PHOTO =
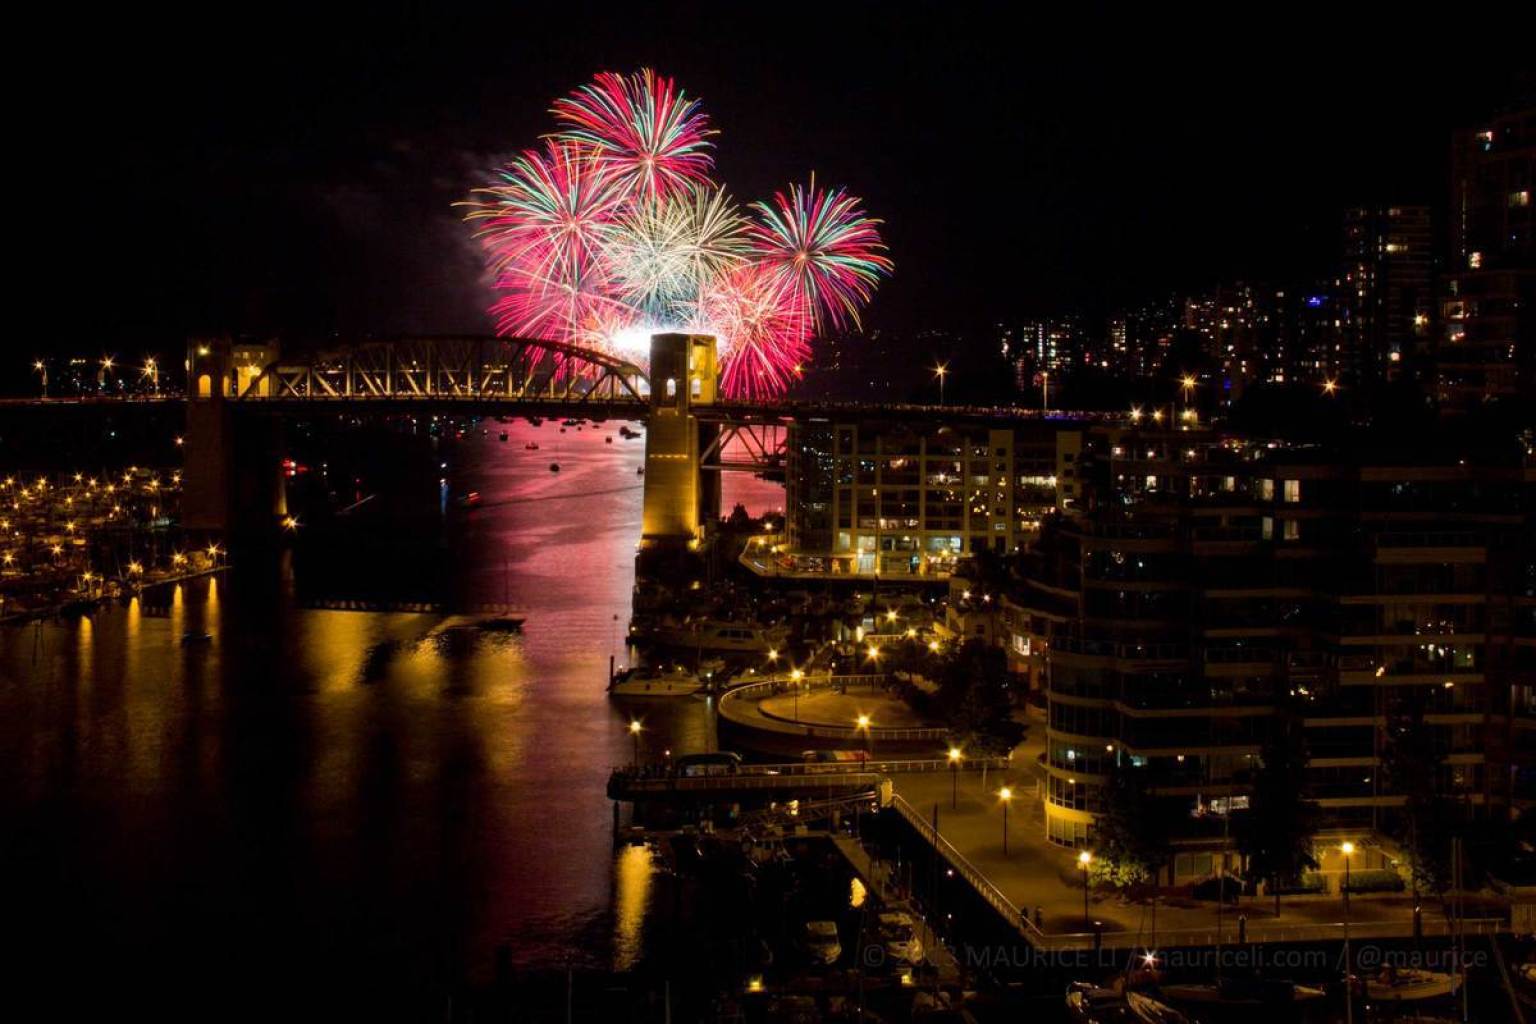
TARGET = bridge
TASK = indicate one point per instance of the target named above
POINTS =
(239, 395)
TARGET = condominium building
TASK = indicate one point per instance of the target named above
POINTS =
(888, 498)
(1203, 586)
(1487, 349)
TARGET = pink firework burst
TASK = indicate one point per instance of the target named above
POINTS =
(763, 342)
(544, 225)
(650, 137)
(821, 248)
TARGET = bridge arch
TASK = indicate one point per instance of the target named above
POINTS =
(466, 367)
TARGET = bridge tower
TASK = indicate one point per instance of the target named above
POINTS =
(684, 375)
(232, 479)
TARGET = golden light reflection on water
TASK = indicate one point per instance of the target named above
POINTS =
(631, 896)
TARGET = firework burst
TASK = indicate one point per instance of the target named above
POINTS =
(614, 230)
(823, 249)
(649, 136)
(665, 251)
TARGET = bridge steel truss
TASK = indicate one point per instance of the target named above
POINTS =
(480, 369)
(753, 444)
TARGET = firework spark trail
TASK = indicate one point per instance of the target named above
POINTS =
(649, 136)
(666, 251)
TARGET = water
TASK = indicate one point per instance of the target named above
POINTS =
(357, 805)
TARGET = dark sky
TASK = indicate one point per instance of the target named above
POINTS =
(293, 172)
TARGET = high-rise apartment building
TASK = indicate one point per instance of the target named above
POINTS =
(1487, 349)
(1387, 299)
(1205, 588)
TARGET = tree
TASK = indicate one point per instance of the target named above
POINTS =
(1131, 835)
(1412, 763)
(1276, 833)
(975, 700)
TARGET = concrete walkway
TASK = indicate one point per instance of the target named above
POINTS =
(1037, 874)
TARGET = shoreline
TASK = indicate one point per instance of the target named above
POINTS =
(57, 608)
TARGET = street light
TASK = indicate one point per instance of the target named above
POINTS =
(795, 675)
(1005, 795)
(1330, 386)
(941, 370)
(954, 777)
(773, 655)
(1084, 859)
(1347, 848)
(42, 368)
(634, 731)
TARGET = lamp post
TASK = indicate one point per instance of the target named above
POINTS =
(1005, 795)
(795, 675)
(1084, 859)
(1347, 848)
(954, 778)
(940, 371)
(42, 369)
(634, 731)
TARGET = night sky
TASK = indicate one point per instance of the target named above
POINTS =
(293, 174)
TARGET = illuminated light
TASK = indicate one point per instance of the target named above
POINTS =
(1136, 414)
(290, 523)
(773, 654)
(634, 726)
(954, 754)
(135, 568)
(755, 983)
(1330, 386)
(1005, 794)
(1084, 858)
(1346, 848)
(873, 652)
(862, 721)
(933, 645)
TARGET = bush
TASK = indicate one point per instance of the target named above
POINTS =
(1311, 883)
(1375, 880)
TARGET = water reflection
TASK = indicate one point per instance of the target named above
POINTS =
(335, 798)
(631, 896)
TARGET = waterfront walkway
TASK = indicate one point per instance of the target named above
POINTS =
(1037, 876)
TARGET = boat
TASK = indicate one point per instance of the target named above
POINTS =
(608, 439)
(713, 635)
(653, 683)
(501, 623)
(531, 446)
(554, 467)
(503, 436)
(626, 433)
(190, 638)
(468, 500)
(572, 423)
(1410, 984)
(1236, 992)
(1089, 1004)
(639, 471)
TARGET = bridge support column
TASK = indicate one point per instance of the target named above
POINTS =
(232, 480)
(683, 375)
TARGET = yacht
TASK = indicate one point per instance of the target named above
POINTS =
(1238, 992)
(1089, 1004)
(1410, 984)
(715, 635)
(654, 683)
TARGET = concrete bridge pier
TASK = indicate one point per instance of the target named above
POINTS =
(233, 477)
(678, 501)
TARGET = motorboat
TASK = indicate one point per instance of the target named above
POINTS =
(554, 467)
(503, 436)
(531, 446)
(898, 935)
(195, 637)
(729, 637)
(608, 439)
(1241, 992)
(1090, 1004)
(626, 433)
(820, 942)
(1410, 984)
(655, 683)
(639, 471)
(470, 499)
